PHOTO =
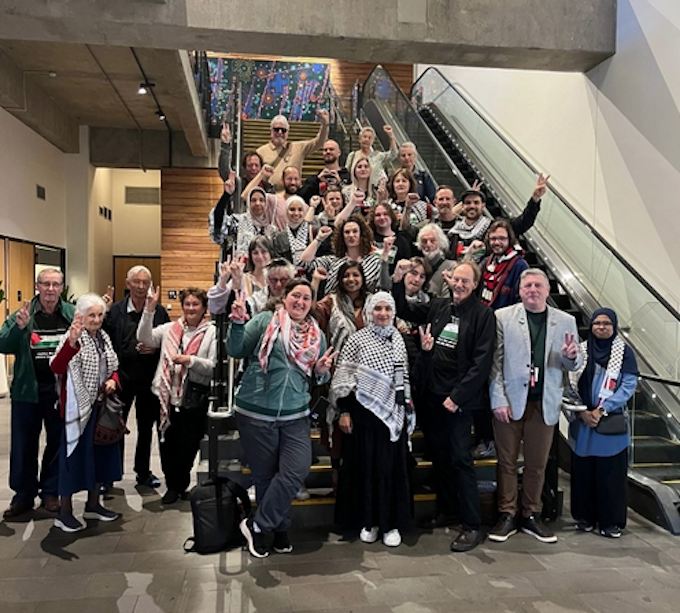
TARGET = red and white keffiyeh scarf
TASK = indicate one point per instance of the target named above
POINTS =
(301, 342)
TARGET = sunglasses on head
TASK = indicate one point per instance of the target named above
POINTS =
(280, 130)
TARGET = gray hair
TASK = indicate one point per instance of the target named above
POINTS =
(537, 272)
(48, 271)
(367, 129)
(279, 119)
(89, 300)
(135, 270)
(441, 237)
(280, 263)
(408, 145)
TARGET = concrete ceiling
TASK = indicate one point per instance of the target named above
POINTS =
(81, 84)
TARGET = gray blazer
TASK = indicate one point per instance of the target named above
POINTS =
(511, 368)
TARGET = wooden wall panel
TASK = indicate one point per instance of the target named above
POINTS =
(20, 273)
(123, 263)
(188, 255)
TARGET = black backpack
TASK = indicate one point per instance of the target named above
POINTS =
(216, 512)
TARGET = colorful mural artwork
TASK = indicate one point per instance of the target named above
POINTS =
(269, 88)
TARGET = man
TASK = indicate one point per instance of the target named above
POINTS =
(32, 334)
(450, 377)
(534, 347)
(426, 185)
(279, 153)
(331, 173)
(434, 245)
(137, 365)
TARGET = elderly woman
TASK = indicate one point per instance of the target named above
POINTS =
(378, 160)
(285, 350)
(600, 461)
(291, 242)
(87, 364)
(371, 390)
(182, 380)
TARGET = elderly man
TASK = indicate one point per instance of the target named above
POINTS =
(450, 378)
(137, 365)
(426, 185)
(331, 174)
(31, 334)
(434, 245)
(535, 346)
(279, 153)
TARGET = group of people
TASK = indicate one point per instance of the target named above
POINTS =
(373, 293)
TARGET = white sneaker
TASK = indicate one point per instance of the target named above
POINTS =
(369, 535)
(392, 538)
(302, 494)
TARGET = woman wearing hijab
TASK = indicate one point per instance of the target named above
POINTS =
(370, 387)
(185, 369)
(285, 350)
(291, 242)
(600, 461)
(87, 363)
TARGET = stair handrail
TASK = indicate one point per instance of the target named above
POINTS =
(473, 104)
(409, 103)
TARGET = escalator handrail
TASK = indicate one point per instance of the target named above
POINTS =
(472, 103)
(454, 169)
(657, 379)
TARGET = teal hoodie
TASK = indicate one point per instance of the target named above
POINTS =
(17, 342)
(280, 393)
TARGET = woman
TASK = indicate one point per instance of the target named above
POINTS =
(291, 242)
(252, 278)
(361, 182)
(379, 160)
(600, 461)
(87, 364)
(284, 351)
(243, 227)
(352, 240)
(383, 222)
(371, 390)
(402, 190)
(182, 383)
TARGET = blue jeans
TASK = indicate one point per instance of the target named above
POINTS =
(279, 454)
(27, 423)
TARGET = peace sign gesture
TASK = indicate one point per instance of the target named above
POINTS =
(324, 363)
(23, 315)
(570, 348)
(152, 299)
(426, 339)
(75, 330)
(239, 311)
(541, 187)
(108, 297)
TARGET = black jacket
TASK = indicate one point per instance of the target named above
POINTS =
(468, 386)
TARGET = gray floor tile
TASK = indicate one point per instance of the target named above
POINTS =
(404, 590)
(490, 586)
(327, 595)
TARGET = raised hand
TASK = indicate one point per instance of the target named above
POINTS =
(477, 185)
(324, 116)
(569, 348)
(541, 187)
(426, 338)
(387, 129)
(23, 315)
(75, 330)
(108, 297)
(387, 247)
(320, 274)
(323, 233)
(236, 268)
(382, 193)
(239, 312)
(225, 134)
(402, 267)
(230, 183)
(314, 201)
(152, 298)
(324, 363)
(267, 171)
(411, 199)
(224, 273)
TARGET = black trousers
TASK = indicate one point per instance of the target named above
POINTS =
(447, 437)
(599, 489)
(147, 410)
(181, 442)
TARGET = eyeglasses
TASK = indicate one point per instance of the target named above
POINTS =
(280, 130)
(50, 284)
(602, 324)
(498, 239)
(277, 280)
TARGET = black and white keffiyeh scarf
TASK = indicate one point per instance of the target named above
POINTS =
(470, 233)
(94, 363)
(298, 239)
(372, 365)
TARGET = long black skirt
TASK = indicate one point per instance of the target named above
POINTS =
(373, 486)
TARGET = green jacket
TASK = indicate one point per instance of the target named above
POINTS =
(17, 342)
(280, 393)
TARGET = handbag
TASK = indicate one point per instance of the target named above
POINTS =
(110, 427)
(613, 423)
(196, 396)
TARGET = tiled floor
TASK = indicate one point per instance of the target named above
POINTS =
(137, 566)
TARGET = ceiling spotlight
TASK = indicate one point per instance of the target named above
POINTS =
(161, 115)
(144, 88)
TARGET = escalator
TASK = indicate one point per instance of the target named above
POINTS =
(459, 145)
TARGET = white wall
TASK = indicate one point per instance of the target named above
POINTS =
(610, 138)
(136, 227)
(27, 159)
(101, 230)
